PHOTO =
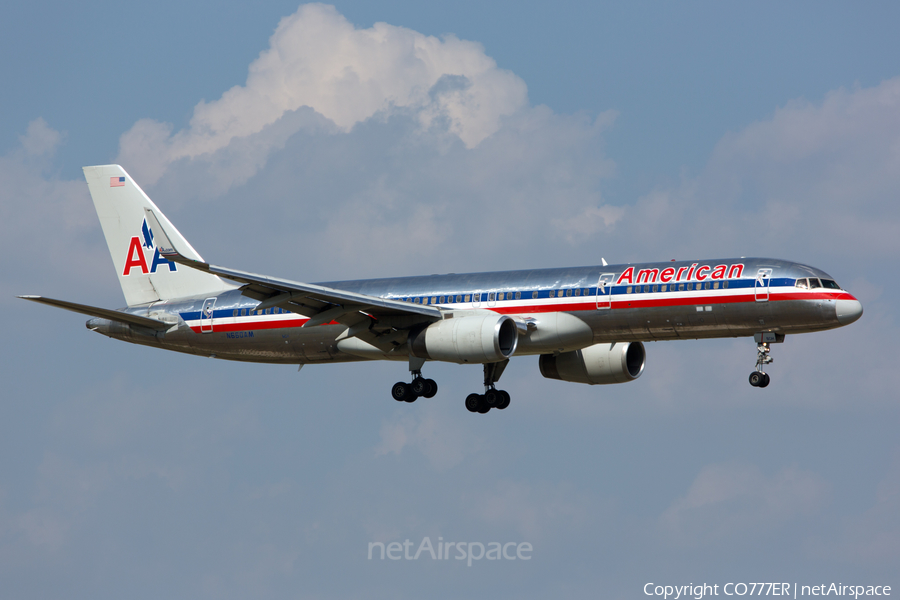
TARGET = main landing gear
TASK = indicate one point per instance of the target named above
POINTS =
(492, 397)
(419, 388)
(427, 388)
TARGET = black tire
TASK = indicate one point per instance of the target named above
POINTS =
(432, 388)
(401, 392)
(483, 407)
(492, 398)
(473, 401)
(504, 400)
(765, 380)
(419, 386)
(756, 378)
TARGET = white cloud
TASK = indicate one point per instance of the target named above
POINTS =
(815, 179)
(317, 59)
(873, 536)
(40, 139)
(49, 222)
(729, 499)
(533, 509)
(442, 443)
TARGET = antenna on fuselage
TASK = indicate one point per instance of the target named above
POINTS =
(603, 261)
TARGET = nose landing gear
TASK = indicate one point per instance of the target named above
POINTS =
(759, 378)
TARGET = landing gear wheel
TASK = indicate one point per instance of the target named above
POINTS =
(765, 380)
(483, 406)
(473, 401)
(504, 400)
(419, 386)
(431, 388)
(492, 398)
(757, 378)
(402, 392)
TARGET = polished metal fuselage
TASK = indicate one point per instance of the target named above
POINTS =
(559, 309)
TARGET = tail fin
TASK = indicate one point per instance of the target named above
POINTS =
(144, 275)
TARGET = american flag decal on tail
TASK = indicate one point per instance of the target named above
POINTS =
(116, 181)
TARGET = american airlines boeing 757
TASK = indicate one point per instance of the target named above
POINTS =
(586, 324)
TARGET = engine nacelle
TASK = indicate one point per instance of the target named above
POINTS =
(476, 339)
(618, 362)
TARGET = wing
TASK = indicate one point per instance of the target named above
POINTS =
(359, 312)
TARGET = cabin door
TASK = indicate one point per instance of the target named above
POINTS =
(761, 286)
(605, 290)
(206, 315)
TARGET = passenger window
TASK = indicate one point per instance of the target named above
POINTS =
(568, 292)
(715, 285)
(578, 292)
(628, 291)
(468, 297)
(491, 297)
(725, 284)
(501, 296)
(814, 283)
(681, 287)
(534, 294)
(707, 285)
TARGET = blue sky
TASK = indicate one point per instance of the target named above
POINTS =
(561, 133)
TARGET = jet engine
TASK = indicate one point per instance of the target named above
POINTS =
(618, 362)
(476, 339)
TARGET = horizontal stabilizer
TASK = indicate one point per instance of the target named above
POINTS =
(103, 313)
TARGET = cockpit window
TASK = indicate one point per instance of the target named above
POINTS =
(814, 283)
(802, 283)
(831, 284)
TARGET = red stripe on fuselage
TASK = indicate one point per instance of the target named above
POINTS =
(634, 302)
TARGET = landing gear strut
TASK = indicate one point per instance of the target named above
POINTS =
(492, 397)
(760, 378)
(419, 388)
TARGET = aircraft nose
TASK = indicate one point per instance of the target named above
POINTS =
(848, 311)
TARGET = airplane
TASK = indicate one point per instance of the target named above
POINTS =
(586, 324)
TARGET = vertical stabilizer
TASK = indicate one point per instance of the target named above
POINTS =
(144, 275)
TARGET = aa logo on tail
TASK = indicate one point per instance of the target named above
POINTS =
(137, 259)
